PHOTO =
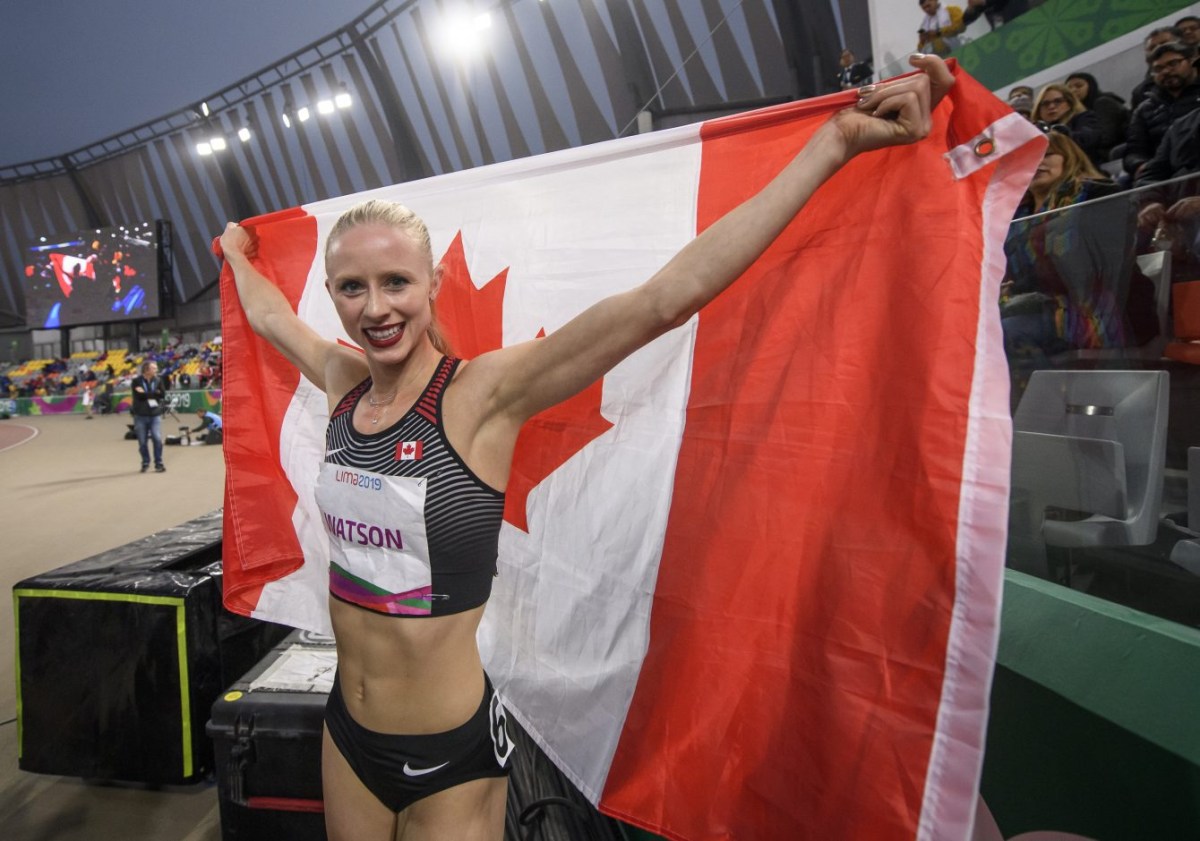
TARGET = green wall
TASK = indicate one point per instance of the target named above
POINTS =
(1094, 726)
(1053, 33)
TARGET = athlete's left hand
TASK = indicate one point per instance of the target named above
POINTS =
(894, 112)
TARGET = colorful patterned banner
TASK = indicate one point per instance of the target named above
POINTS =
(1052, 33)
(72, 404)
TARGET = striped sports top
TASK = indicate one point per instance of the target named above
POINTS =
(413, 531)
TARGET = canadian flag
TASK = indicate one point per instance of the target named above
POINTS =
(408, 451)
(749, 581)
(67, 267)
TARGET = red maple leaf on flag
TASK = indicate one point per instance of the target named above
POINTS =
(474, 320)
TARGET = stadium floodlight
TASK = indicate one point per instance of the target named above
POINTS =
(204, 148)
(204, 109)
(325, 106)
(287, 114)
(302, 113)
(343, 98)
(217, 143)
(461, 34)
(244, 134)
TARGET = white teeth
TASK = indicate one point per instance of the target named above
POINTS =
(385, 334)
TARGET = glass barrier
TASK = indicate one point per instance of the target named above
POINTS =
(1100, 311)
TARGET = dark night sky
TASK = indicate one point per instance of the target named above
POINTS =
(74, 72)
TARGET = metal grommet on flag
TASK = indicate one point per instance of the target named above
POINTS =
(998, 139)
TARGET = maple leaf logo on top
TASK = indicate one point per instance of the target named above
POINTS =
(473, 321)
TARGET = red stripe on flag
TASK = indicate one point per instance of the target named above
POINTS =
(797, 639)
(258, 386)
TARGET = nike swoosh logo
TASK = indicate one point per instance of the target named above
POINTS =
(420, 772)
(338, 450)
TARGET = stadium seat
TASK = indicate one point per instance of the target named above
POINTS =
(1094, 443)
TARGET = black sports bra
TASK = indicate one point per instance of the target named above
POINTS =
(413, 531)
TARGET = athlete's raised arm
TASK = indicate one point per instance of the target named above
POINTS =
(533, 376)
(272, 317)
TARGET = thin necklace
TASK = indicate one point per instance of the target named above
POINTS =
(376, 404)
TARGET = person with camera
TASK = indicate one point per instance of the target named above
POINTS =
(209, 430)
(149, 403)
(940, 28)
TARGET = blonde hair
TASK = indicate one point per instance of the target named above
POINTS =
(1076, 107)
(396, 215)
(1076, 171)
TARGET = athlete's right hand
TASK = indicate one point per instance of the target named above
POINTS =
(235, 242)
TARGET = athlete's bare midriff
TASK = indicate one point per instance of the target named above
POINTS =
(408, 675)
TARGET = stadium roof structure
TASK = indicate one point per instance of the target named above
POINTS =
(386, 99)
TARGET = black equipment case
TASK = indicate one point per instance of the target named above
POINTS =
(266, 732)
(120, 656)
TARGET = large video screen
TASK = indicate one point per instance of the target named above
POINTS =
(94, 276)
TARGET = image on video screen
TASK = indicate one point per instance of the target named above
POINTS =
(90, 277)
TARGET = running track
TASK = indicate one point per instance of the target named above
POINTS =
(15, 434)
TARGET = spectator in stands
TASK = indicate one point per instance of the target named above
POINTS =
(210, 427)
(149, 403)
(852, 73)
(996, 11)
(1020, 99)
(1189, 30)
(1069, 277)
(1057, 106)
(1170, 217)
(1109, 107)
(940, 28)
(1178, 154)
(1066, 176)
(1155, 39)
(1176, 93)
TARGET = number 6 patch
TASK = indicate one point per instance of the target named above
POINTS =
(498, 724)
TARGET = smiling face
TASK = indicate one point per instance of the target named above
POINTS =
(382, 285)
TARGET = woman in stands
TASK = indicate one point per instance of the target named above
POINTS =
(1057, 106)
(1069, 274)
(415, 745)
(1066, 176)
(1110, 110)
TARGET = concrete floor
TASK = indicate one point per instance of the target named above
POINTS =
(68, 493)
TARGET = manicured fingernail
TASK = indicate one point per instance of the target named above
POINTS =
(917, 55)
(865, 91)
